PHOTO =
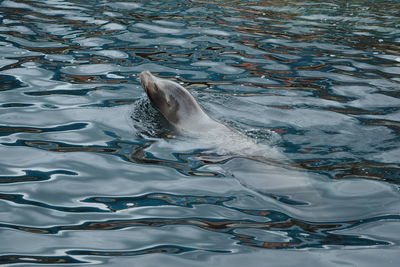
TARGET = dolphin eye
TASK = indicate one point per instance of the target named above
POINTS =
(155, 87)
(170, 101)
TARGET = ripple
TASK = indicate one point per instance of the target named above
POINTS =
(10, 259)
(124, 5)
(91, 69)
(158, 249)
(157, 29)
(19, 199)
(31, 175)
(321, 233)
(156, 199)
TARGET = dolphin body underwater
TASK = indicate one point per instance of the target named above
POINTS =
(303, 194)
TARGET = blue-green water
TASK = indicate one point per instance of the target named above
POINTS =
(90, 175)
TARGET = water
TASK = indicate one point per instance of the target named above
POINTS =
(91, 174)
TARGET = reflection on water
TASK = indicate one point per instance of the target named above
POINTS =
(91, 173)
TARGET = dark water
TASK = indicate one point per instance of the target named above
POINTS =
(90, 176)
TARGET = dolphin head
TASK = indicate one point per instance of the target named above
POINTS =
(174, 102)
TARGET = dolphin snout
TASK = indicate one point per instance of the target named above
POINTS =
(148, 81)
(145, 78)
(145, 75)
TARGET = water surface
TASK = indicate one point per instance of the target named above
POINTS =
(91, 174)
